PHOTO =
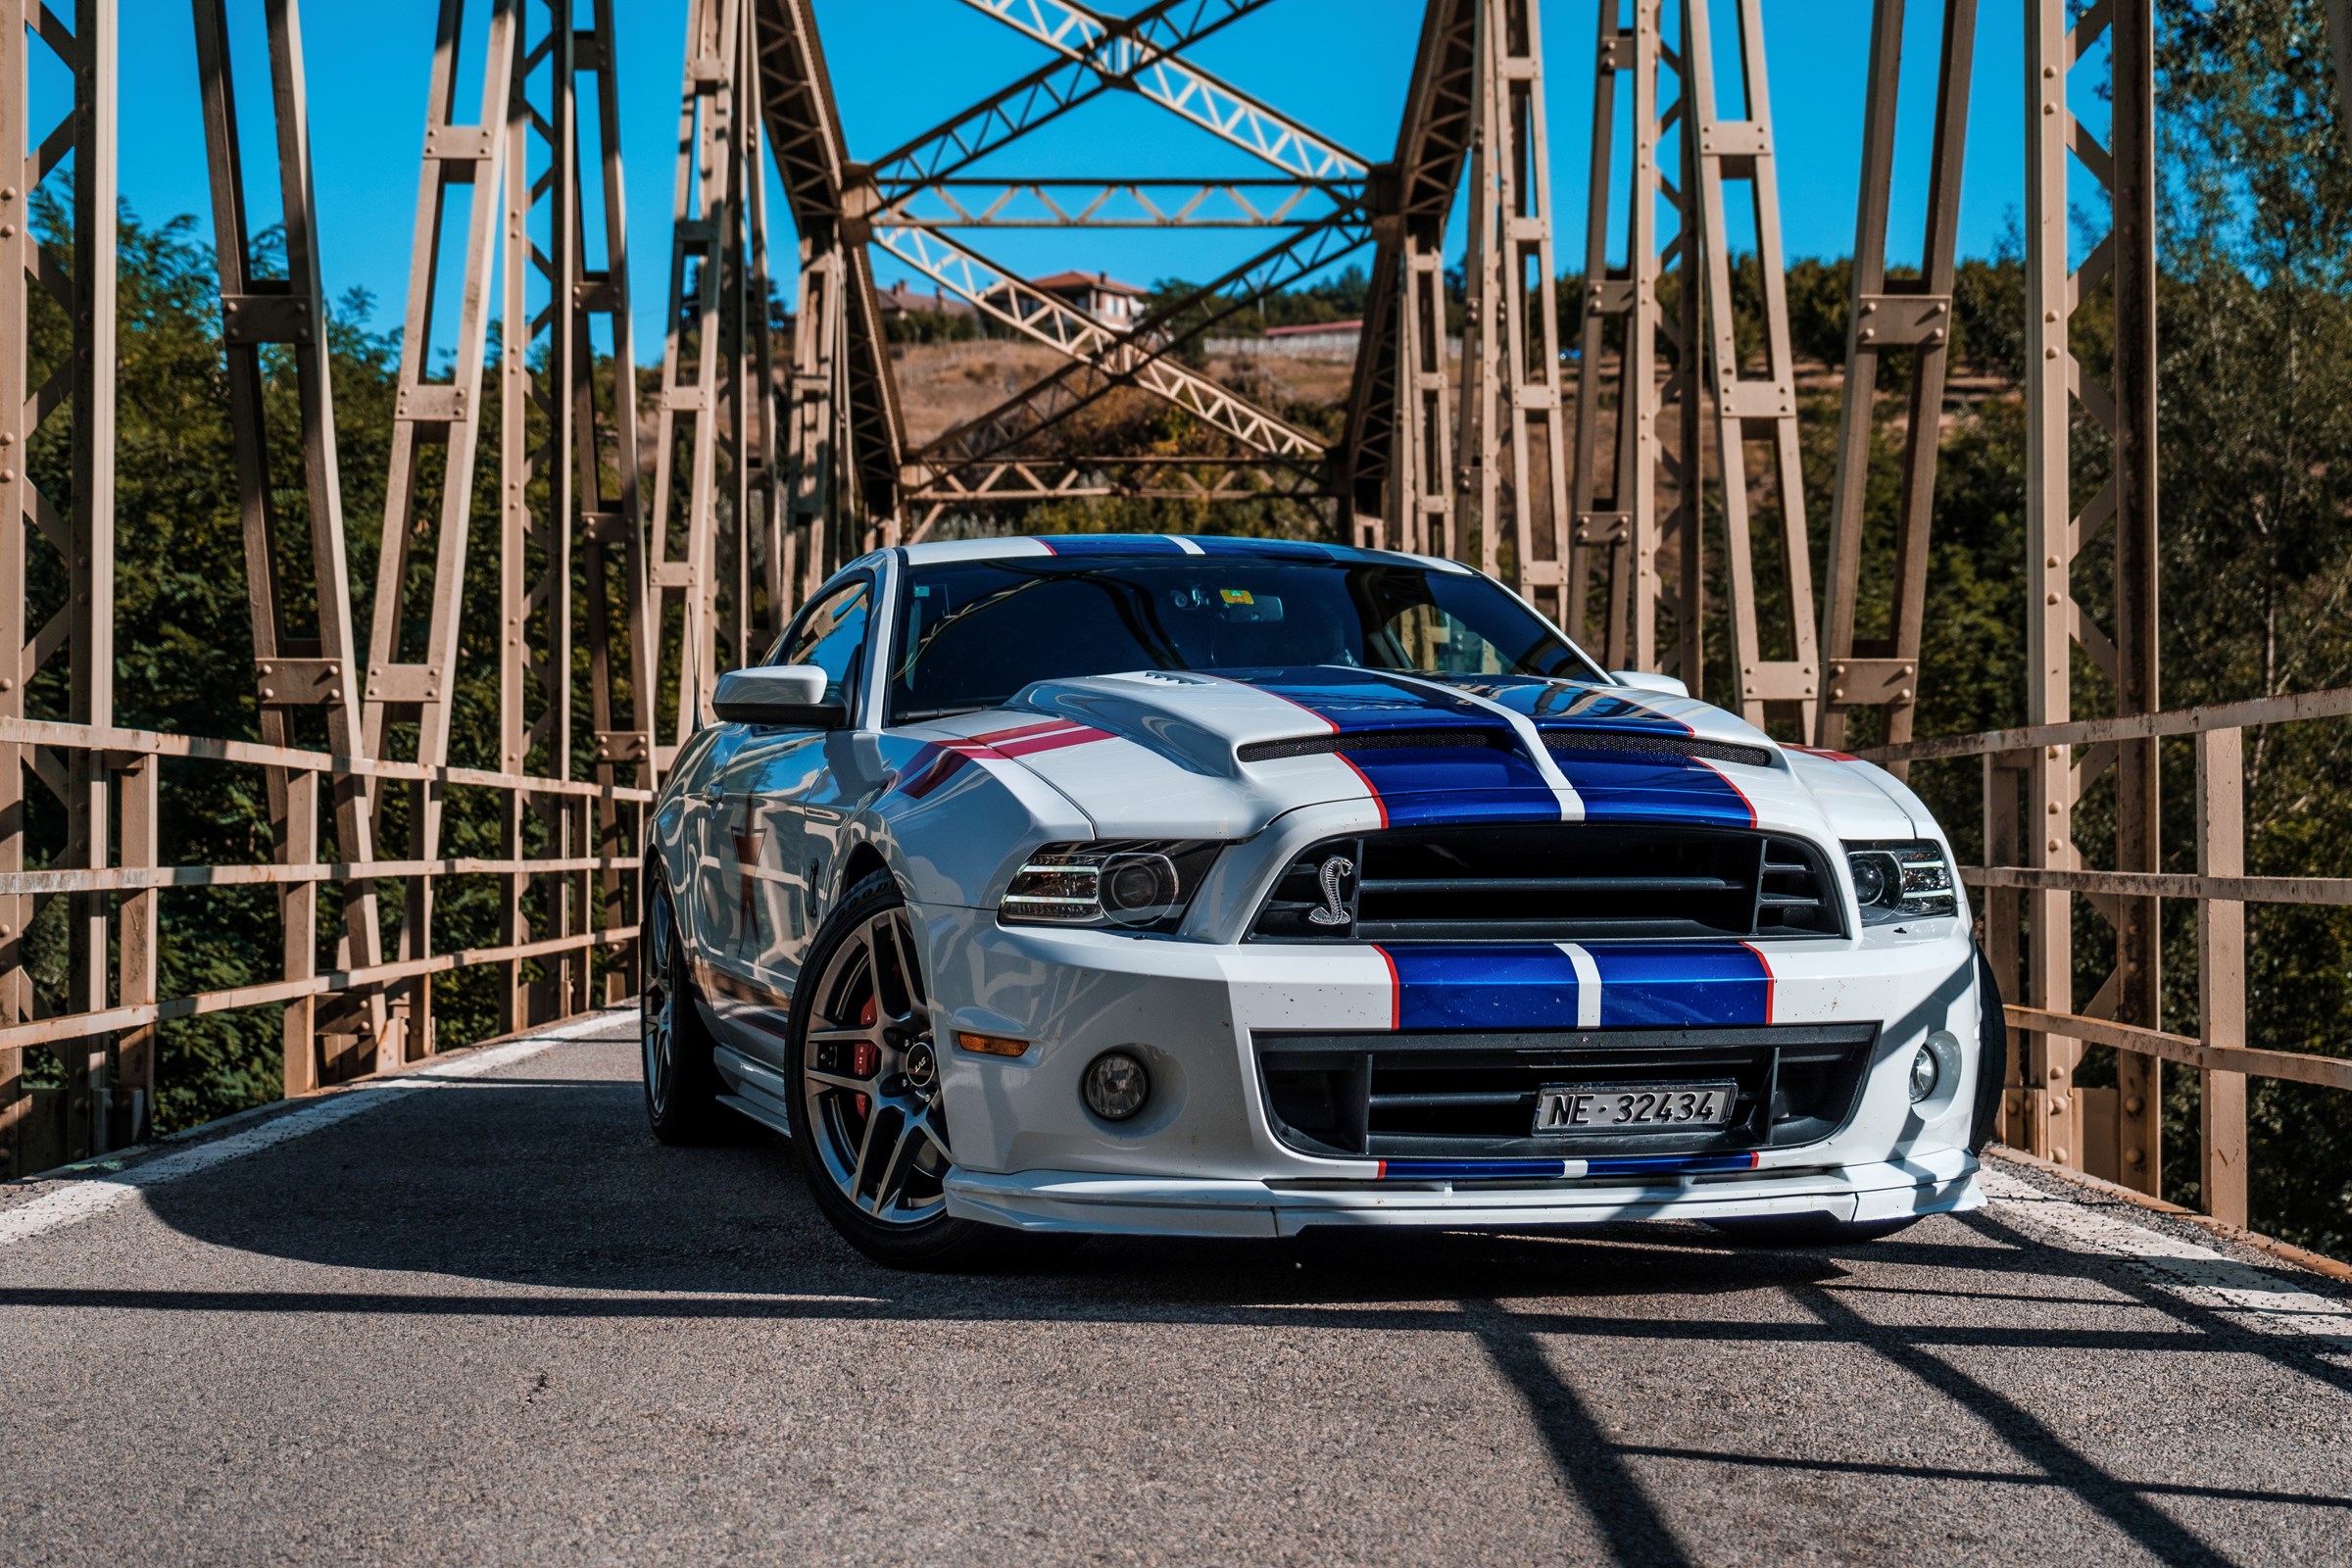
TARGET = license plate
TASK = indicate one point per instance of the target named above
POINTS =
(1608, 1106)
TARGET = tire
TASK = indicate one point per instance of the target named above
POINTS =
(681, 1081)
(1992, 1058)
(867, 1123)
(1801, 1232)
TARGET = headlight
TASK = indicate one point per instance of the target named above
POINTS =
(1135, 884)
(1899, 879)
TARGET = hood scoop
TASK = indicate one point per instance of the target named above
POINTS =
(1386, 740)
(1638, 743)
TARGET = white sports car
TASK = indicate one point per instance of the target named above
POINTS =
(1228, 887)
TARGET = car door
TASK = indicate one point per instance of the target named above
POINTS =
(776, 804)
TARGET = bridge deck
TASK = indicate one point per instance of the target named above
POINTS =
(490, 1318)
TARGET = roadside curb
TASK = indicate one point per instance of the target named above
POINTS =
(2286, 1251)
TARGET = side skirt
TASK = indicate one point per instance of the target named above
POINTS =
(758, 1090)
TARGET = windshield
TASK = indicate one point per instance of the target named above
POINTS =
(977, 632)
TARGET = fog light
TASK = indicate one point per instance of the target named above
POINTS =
(1923, 1075)
(1115, 1086)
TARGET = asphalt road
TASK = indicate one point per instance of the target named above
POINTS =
(494, 1321)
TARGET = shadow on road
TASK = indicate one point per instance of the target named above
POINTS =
(545, 1197)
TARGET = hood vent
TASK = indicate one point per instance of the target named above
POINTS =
(1589, 740)
(1376, 740)
(1552, 882)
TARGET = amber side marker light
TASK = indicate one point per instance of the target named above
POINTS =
(991, 1045)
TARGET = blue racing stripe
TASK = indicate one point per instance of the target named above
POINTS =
(1669, 986)
(1265, 549)
(1442, 1170)
(1361, 701)
(1669, 1164)
(1629, 787)
(1516, 985)
(1427, 785)
(1571, 704)
(1533, 985)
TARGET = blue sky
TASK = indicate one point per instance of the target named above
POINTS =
(899, 66)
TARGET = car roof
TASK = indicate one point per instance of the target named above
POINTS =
(1129, 546)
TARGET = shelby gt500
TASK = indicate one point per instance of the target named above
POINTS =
(1229, 887)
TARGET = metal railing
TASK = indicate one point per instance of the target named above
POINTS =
(2041, 1111)
(383, 1019)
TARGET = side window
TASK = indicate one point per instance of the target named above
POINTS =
(831, 635)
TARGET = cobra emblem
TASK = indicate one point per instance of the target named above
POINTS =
(1332, 912)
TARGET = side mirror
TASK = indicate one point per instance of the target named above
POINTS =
(1644, 680)
(792, 696)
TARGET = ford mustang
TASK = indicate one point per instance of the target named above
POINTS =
(1230, 886)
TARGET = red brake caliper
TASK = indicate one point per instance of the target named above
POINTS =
(865, 1057)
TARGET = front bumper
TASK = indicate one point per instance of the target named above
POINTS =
(1942, 1183)
(1204, 1156)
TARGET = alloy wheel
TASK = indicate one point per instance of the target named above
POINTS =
(658, 1017)
(870, 1075)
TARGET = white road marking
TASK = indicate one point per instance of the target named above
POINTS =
(94, 1190)
(1587, 984)
(2195, 1275)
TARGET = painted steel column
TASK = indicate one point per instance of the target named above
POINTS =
(90, 564)
(612, 530)
(1882, 672)
(448, 413)
(1512, 443)
(1732, 150)
(704, 235)
(1600, 537)
(2139, 942)
(19, 500)
(2048, 833)
(2222, 973)
(295, 671)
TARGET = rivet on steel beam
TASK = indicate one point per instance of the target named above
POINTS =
(2053, 844)
(2053, 807)
(2134, 1107)
(2133, 1156)
(1903, 695)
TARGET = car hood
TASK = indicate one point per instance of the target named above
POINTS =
(1184, 755)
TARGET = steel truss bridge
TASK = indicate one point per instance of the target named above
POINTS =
(640, 550)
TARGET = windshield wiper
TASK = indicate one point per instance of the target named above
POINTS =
(917, 715)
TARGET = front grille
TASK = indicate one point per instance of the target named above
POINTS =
(1402, 1095)
(1552, 882)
